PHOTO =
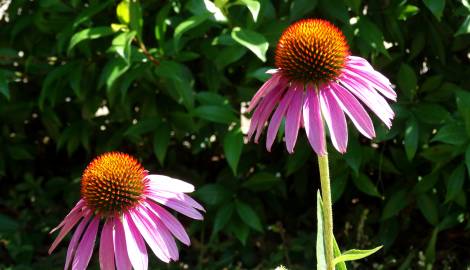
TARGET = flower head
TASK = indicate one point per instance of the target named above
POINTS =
(117, 190)
(318, 80)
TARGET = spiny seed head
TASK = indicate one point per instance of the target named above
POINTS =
(312, 51)
(112, 183)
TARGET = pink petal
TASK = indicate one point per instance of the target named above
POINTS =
(151, 233)
(353, 109)
(135, 244)
(267, 111)
(264, 90)
(335, 119)
(74, 241)
(120, 247)
(313, 121)
(85, 248)
(106, 246)
(374, 78)
(170, 222)
(255, 120)
(277, 118)
(370, 98)
(68, 223)
(166, 235)
(172, 201)
(175, 195)
(75, 210)
(163, 182)
(293, 117)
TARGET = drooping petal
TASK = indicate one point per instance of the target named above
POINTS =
(293, 117)
(176, 195)
(255, 120)
(74, 241)
(75, 211)
(172, 201)
(370, 98)
(151, 233)
(373, 78)
(335, 120)
(277, 118)
(135, 244)
(354, 110)
(85, 248)
(120, 247)
(106, 246)
(313, 121)
(163, 182)
(264, 90)
(170, 222)
(267, 110)
(69, 222)
(165, 235)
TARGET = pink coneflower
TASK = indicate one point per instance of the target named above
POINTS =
(317, 78)
(116, 189)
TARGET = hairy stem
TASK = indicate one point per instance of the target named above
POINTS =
(327, 210)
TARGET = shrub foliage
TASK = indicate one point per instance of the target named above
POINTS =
(167, 81)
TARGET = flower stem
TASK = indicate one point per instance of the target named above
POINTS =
(327, 210)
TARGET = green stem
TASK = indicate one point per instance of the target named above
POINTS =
(327, 210)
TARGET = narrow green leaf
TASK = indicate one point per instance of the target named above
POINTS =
(248, 216)
(467, 159)
(89, 33)
(463, 104)
(455, 183)
(254, 7)
(298, 8)
(320, 244)
(136, 21)
(430, 252)
(356, 254)
(161, 140)
(436, 7)
(364, 184)
(115, 68)
(233, 145)
(431, 113)
(217, 114)
(411, 138)
(254, 41)
(337, 253)
(464, 27)
(179, 82)
(4, 90)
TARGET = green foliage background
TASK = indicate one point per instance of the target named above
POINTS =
(172, 76)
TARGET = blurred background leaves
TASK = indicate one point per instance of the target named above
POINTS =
(168, 82)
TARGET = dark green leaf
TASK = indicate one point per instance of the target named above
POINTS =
(407, 80)
(161, 140)
(213, 194)
(455, 183)
(233, 146)
(395, 204)
(436, 7)
(428, 208)
(217, 114)
(223, 216)
(411, 138)
(248, 216)
(363, 183)
(453, 133)
(261, 181)
(89, 33)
